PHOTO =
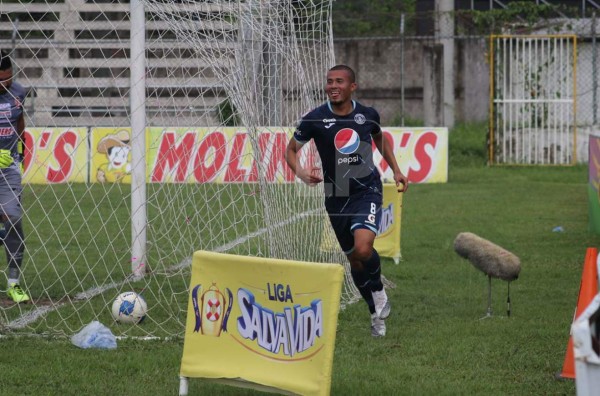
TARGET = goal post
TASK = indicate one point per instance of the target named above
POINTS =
(138, 138)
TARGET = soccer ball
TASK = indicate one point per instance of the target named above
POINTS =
(129, 307)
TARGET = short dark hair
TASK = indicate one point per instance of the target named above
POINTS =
(5, 62)
(346, 68)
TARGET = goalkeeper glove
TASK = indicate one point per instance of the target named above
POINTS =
(6, 158)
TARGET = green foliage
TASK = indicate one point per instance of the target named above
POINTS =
(519, 13)
(408, 121)
(227, 114)
(369, 18)
(467, 145)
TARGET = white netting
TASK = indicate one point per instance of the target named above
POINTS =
(225, 82)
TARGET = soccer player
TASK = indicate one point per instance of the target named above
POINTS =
(343, 131)
(12, 125)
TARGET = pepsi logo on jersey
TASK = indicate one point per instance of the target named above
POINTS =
(346, 141)
(351, 159)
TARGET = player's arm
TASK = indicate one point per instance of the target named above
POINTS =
(21, 143)
(310, 176)
(6, 157)
(387, 151)
(21, 126)
(21, 129)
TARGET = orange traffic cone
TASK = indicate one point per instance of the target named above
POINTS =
(587, 291)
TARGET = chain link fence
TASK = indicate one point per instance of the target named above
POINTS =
(436, 70)
(396, 66)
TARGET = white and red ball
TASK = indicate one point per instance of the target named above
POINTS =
(129, 307)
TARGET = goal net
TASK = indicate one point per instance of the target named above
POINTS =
(223, 83)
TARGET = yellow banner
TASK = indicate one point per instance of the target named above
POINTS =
(225, 155)
(111, 158)
(422, 154)
(216, 154)
(387, 241)
(55, 155)
(208, 155)
(248, 315)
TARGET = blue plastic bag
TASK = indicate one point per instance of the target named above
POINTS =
(95, 335)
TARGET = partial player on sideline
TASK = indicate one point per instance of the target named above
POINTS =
(12, 125)
(343, 131)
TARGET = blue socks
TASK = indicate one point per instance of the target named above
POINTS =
(373, 268)
(363, 283)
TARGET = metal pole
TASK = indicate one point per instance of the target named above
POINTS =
(273, 65)
(594, 72)
(14, 36)
(138, 138)
(446, 29)
(402, 70)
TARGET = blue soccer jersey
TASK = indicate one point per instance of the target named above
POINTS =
(11, 109)
(344, 144)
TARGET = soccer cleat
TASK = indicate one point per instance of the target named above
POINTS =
(17, 294)
(377, 326)
(382, 304)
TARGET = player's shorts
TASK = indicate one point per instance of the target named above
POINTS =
(354, 213)
(10, 192)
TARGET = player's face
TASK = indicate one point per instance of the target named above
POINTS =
(5, 80)
(339, 88)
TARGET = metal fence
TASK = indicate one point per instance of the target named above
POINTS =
(408, 80)
(532, 98)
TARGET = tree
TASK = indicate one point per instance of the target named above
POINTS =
(359, 18)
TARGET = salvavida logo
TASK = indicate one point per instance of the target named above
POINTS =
(346, 141)
(292, 331)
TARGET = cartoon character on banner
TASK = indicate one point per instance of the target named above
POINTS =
(211, 310)
(116, 147)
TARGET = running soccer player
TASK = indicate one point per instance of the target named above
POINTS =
(12, 125)
(343, 131)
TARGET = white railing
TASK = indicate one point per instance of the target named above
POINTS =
(533, 100)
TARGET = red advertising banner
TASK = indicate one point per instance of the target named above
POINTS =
(203, 155)
(208, 155)
(55, 155)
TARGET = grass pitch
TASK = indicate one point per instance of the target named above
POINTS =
(437, 342)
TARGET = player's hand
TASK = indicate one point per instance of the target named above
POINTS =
(310, 176)
(6, 158)
(401, 181)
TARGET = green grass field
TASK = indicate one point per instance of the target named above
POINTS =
(437, 342)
